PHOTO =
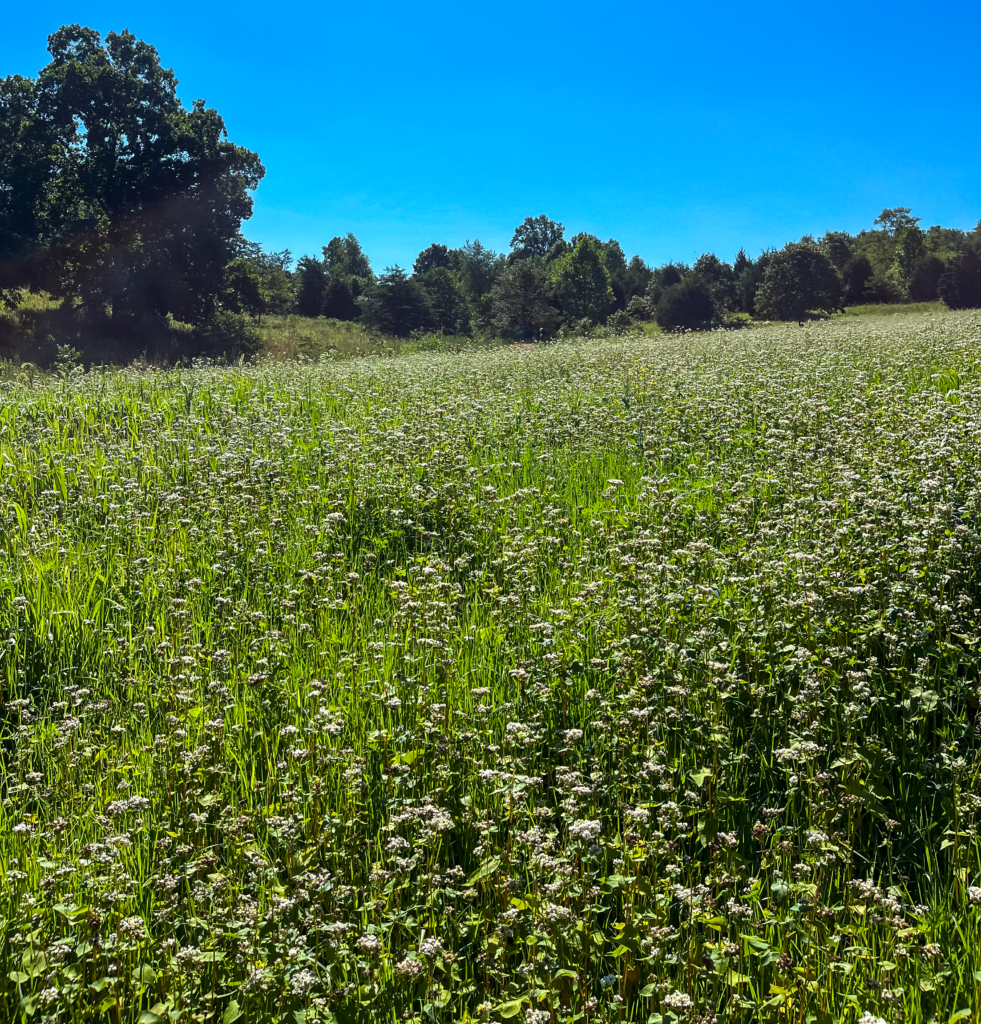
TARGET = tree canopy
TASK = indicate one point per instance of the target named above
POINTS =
(113, 195)
(800, 278)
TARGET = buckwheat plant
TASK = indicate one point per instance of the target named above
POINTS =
(624, 680)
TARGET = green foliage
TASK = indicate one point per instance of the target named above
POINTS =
(856, 274)
(798, 279)
(688, 303)
(719, 278)
(535, 236)
(397, 304)
(448, 309)
(960, 284)
(749, 280)
(521, 304)
(838, 247)
(225, 335)
(897, 220)
(924, 281)
(910, 250)
(139, 215)
(582, 281)
(432, 258)
(312, 291)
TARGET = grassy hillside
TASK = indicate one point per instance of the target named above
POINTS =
(622, 680)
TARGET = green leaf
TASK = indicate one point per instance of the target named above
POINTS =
(34, 962)
(18, 977)
(960, 1015)
(486, 869)
(232, 1012)
(647, 991)
(511, 1009)
(701, 776)
(144, 974)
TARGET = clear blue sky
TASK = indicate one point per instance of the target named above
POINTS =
(678, 128)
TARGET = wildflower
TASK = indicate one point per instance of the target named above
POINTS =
(430, 947)
(585, 830)
(409, 968)
(678, 1001)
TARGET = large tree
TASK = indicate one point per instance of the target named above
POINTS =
(582, 282)
(520, 306)
(800, 278)
(113, 195)
(535, 236)
(397, 304)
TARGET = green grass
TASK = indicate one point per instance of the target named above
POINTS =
(895, 309)
(618, 680)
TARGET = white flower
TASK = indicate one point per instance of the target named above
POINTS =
(585, 830)
(678, 1001)
(870, 1018)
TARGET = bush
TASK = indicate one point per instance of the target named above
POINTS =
(228, 335)
(799, 279)
(688, 303)
(960, 284)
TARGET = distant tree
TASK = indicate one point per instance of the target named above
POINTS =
(960, 284)
(740, 263)
(339, 301)
(910, 249)
(856, 275)
(243, 288)
(258, 282)
(688, 303)
(636, 278)
(749, 281)
(925, 279)
(799, 278)
(477, 267)
(429, 259)
(448, 310)
(312, 291)
(671, 274)
(837, 246)
(893, 221)
(346, 275)
(396, 304)
(135, 208)
(582, 282)
(615, 261)
(718, 276)
(535, 236)
(520, 301)
(663, 277)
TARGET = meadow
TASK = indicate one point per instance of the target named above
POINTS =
(632, 679)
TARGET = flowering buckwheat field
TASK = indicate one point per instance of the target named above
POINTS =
(612, 681)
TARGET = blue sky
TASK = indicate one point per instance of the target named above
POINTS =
(676, 128)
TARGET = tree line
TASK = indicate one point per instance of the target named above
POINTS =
(546, 283)
(124, 208)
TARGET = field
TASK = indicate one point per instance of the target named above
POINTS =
(613, 680)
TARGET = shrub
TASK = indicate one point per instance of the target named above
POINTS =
(228, 335)
(688, 303)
